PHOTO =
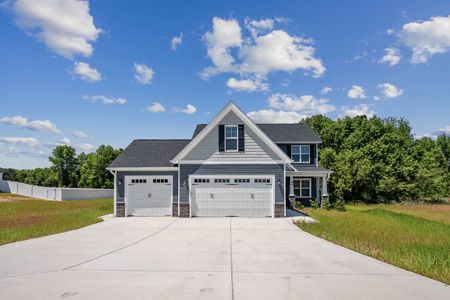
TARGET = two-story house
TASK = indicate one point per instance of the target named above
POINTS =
(230, 167)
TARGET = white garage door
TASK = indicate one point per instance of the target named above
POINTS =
(148, 195)
(232, 196)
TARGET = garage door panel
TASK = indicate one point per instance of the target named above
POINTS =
(148, 197)
(229, 199)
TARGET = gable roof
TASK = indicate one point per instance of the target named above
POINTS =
(149, 153)
(282, 133)
(215, 121)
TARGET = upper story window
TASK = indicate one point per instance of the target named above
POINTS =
(300, 153)
(231, 138)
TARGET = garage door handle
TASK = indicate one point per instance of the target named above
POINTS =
(149, 195)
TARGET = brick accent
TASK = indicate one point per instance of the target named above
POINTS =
(175, 209)
(184, 210)
(120, 209)
(279, 210)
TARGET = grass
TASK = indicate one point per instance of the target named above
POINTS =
(24, 218)
(412, 237)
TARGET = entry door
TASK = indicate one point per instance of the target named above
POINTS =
(240, 196)
(149, 195)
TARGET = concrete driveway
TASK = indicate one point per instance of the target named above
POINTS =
(199, 258)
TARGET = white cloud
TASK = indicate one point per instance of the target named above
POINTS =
(390, 31)
(80, 134)
(391, 56)
(259, 54)
(426, 38)
(189, 109)
(307, 104)
(285, 82)
(22, 141)
(143, 73)
(326, 90)
(66, 27)
(176, 41)
(67, 142)
(85, 72)
(272, 116)
(84, 147)
(105, 100)
(247, 85)
(388, 90)
(156, 107)
(356, 92)
(36, 125)
(357, 110)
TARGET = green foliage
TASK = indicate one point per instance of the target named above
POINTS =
(313, 203)
(299, 205)
(70, 170)
(379, 160)
(339, 205)
(326, 204)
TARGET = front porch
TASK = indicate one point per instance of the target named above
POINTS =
(307, 183)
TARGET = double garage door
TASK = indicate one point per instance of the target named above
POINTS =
(148, 195)
(243, 196)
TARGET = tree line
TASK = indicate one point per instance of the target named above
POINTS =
(379, 160)
(71, 170)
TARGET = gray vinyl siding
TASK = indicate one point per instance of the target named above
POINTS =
(312, 152)
(229, 169)
(121, 176)
(255, 148)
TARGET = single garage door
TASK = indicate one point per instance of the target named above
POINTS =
(148, 195)
(217, 196)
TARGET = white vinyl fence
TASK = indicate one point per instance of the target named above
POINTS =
(50, 193)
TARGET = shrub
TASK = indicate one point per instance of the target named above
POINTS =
(326, 204)
(299, 205)
(339, 205)
(314, 204)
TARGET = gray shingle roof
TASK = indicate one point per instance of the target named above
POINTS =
(149, 153)
(280, 133)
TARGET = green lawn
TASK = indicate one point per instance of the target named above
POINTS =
(23, 218)
(413, 237)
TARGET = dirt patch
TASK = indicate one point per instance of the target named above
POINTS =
(12, 197)
(25, 221)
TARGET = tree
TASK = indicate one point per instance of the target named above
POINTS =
(65, 165)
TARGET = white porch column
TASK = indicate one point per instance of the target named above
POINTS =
(318, 189)
(291, 186)
(324, 187)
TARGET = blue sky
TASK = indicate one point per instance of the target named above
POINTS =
(106, 72)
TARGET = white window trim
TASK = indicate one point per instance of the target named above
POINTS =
(300, 153)
(231, 138)
(300, 188)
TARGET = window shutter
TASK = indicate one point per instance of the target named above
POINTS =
(241, 136)
(221, 138)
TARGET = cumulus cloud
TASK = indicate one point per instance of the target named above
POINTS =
(391, 56)
(388, 90)
(156, 107)
(80, 134)
(67, 142)
(254, 56)
(326, 90)
(22, 141)
(272, 116)
(176, 41)
(85, 72)
(247, 85)
(426, 38)
(189, 109)
(143, 74)
(105, 100)
(307, 104)
(66, 27)
(356, 92)
(36, 125)
(357, 110)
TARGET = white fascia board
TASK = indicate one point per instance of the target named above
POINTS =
(297, 142)
(309, 173)
(216, 120)
(144, 169)
(232, 162)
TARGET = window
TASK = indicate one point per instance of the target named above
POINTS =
(242, 180)
(300, 153)
(201, 180)
(221, 180)
(231, 138)
(160, 180)
(262, 180)
(138, 180)
(302, 188)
